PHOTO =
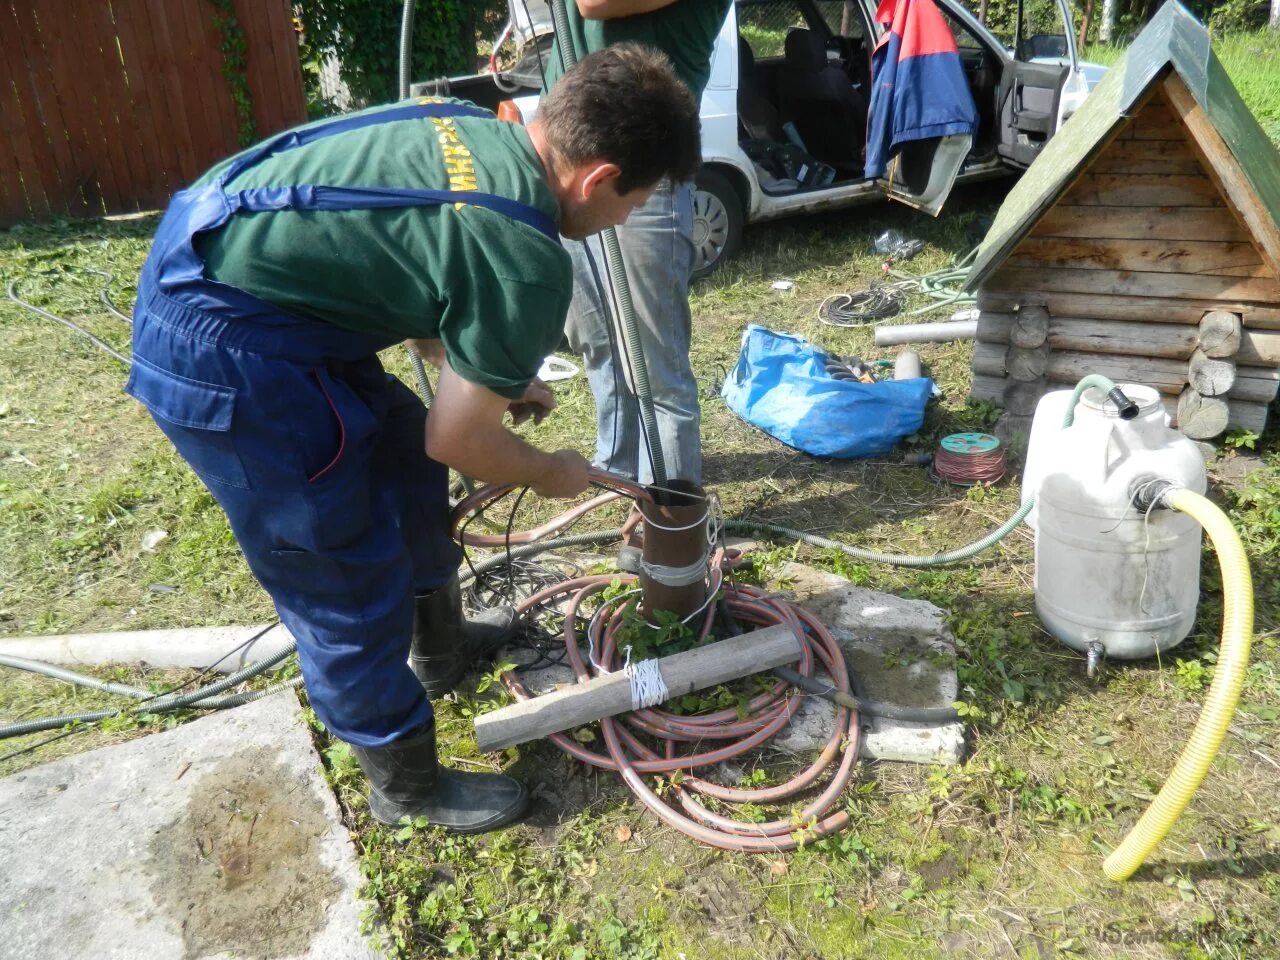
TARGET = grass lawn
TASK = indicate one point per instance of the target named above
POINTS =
(1253, 62)
(997, 856)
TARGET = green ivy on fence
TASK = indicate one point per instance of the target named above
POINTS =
(235, 66)
(363, 38)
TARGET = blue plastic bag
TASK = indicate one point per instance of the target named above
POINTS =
(779, 384)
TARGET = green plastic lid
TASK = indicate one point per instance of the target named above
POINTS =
(970, 443)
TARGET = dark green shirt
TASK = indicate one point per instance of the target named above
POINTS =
(493, 290)
(685, 31)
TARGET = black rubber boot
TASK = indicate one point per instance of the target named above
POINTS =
(445, 643)
(406, 780)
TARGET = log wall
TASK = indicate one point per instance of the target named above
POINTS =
(1144, 272)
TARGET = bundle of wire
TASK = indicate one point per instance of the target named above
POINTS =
(968, 459)
(878, 302)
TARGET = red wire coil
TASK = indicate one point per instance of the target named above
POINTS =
(969, 469)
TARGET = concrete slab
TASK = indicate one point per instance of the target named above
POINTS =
(219, 839)
(900, 648)
(902, 652)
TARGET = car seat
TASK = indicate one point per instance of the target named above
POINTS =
(756, 113)
(816, 95)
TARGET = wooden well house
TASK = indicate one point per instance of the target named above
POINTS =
(1143, 244)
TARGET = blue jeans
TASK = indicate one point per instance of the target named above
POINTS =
(657, 248)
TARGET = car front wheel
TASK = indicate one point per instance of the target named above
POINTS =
(717, 222)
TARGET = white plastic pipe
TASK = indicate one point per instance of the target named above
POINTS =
(193, 647)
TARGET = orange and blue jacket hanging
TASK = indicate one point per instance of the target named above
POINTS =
(919, 90)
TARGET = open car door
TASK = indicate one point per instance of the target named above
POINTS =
(1032, 84)
(924, 171)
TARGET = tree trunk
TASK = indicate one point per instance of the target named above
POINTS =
(982, 12)
(1106, 29)
(846, 17)
(1085, 21)
(1275, 14)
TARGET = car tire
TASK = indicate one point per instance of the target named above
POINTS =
(717, 222)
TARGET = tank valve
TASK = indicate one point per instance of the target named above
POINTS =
(1128, 409)
(1095, 653)
(1147, 492)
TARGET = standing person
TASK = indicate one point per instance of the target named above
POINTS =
(657, 250)
(271, 286)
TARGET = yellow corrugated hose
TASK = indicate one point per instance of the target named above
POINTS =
(1224, 692)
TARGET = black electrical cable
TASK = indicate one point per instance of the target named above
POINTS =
(12, 291)
(104, 295)
(510, 580)
(32, 747)
(878, 302)
(616, 267)
(166, 699)
(606, 301)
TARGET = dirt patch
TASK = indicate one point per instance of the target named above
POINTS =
(729, 912)
(935, 873)
(240, 871)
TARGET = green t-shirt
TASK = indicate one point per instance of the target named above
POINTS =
(685, 31)
(493, 290)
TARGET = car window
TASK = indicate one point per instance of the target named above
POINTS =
(965, 38)
(1041, 26)
(843, 17)
(764, 25)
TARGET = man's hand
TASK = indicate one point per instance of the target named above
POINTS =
(565, 477)
(465, 431)
(538, 401)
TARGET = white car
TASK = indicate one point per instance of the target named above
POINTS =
(788, 94)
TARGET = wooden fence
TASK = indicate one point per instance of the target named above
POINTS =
(109, 106)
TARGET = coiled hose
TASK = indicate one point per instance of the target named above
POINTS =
(1224, 693)
(737, 732)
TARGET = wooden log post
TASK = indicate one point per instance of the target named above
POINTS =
(1030, 327)
(990, 389)
(1154, 309)
(1169, 341)
(1247, 416)
(1213, 378)
(1201, 417)
(989, 359)
(1253, 384)
(1221, 333)
(1021, 399)
(1259, 348)
(609, 695)
(1027, 363)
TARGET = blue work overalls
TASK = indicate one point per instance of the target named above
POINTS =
(314, 452)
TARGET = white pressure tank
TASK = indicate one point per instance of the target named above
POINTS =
(1111, 580)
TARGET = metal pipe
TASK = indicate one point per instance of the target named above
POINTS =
(673, 568)
(907, 366)
(632, 351)
(942, 332)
